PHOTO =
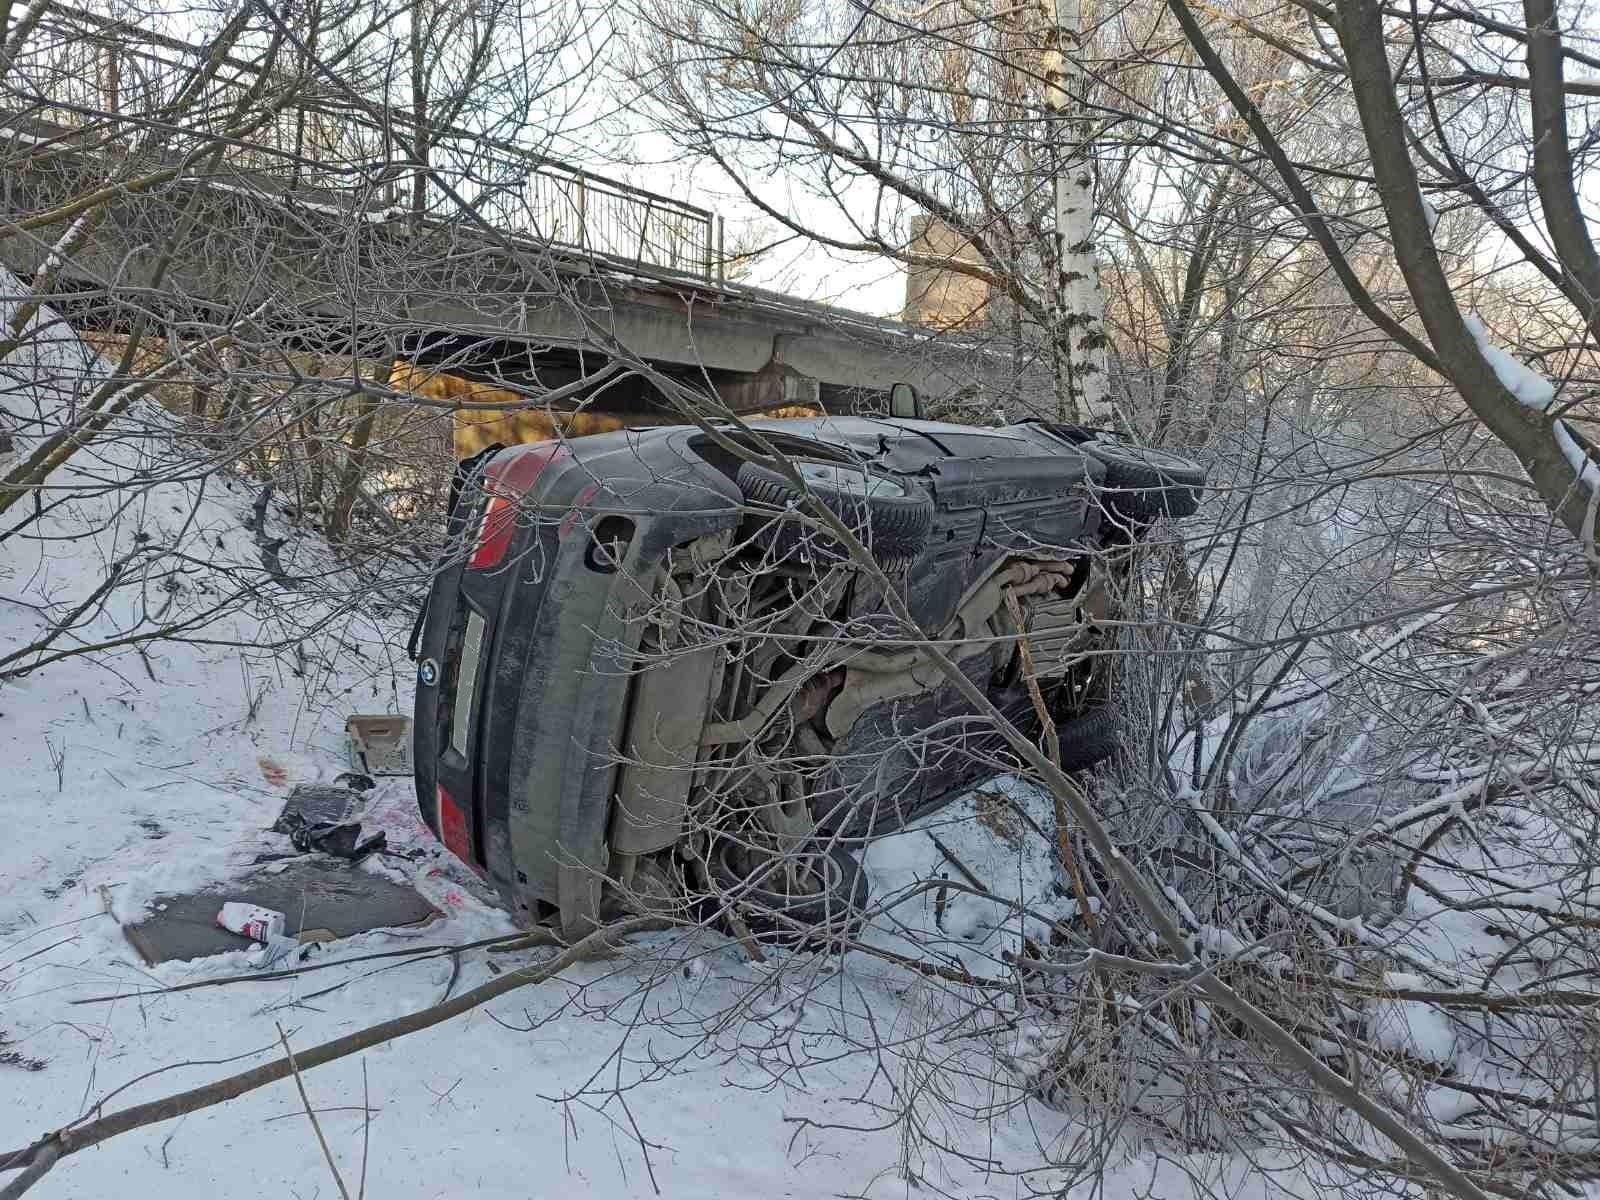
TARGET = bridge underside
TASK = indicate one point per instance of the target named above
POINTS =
(532, 370)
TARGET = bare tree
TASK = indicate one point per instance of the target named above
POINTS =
(1407, 148)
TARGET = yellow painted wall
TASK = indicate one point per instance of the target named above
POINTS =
(476, 428)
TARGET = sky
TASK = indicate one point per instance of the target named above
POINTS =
(864, 283)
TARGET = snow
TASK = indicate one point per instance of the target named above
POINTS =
(1538, 393)
(48, 371)
(1411, 1027)
(1526, 384)
(151, 801)
(1584, 467)
(146, 768)
(1429, 213)
(956, 926)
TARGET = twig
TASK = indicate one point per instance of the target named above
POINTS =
(455, 974)
(366, 1130)
(1053, 747)
(167, 1141)
(741, 931)
(329, 1108)
(960, 866)
(934, 970)
(1047, 726)
(316, 1126)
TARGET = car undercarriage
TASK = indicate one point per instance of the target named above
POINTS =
(651, 673)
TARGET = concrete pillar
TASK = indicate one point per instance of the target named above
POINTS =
(777, 385)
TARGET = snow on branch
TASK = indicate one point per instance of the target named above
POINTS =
(1523, 382)
(1538, 393)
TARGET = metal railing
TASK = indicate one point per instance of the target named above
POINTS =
(302, 136)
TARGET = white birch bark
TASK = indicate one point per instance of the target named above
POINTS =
(1079, 305)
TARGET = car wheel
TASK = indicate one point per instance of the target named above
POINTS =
(1087, 739)
(761, 888)
(887, 514)
(1143, 483)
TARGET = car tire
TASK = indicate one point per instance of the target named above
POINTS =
(1142, 483)
(778, 914)
(894, 521)
(1087, 739)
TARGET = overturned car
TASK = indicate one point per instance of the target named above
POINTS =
(646, 671)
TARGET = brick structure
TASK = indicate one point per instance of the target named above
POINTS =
(940, 297)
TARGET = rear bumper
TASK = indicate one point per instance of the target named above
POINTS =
(526, 745)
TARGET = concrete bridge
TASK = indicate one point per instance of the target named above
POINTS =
(321, 217)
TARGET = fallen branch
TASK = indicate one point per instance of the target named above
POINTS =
(33, 1161)
(504, 943)
(267, 547)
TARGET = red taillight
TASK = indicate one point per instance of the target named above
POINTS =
(453, 826)
(498, 523)
(505, 482)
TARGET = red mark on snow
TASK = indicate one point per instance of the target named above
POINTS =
(274, 773)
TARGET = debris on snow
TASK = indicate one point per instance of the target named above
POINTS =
(317, 804)
(380, 743)
(264, 925)
(321, 900)
(250, 920)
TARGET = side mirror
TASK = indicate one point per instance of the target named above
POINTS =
(904, 402)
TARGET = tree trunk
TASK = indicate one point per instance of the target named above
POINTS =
(1529, 432)
(1079, 334)
(354, 468)
(419, 118)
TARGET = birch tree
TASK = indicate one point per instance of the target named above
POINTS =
(1080, 341)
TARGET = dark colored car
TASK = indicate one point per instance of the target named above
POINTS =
(644, 671)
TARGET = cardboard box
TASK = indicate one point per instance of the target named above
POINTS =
(379, 744)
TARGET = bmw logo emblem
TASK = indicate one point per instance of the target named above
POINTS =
(427, 672)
